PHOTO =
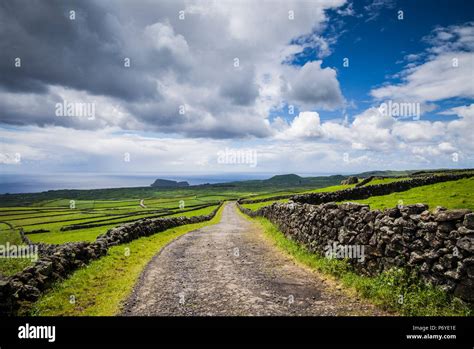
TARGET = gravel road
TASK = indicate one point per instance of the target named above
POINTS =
(231, 268)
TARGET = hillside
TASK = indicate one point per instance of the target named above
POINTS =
(165, 183)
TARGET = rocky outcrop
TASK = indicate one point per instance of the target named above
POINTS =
(165, 183)
(57, 261)
(350, 180)
(437, 245)
(360, 193)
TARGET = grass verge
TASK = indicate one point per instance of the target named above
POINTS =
(394, 290)
(101, 287)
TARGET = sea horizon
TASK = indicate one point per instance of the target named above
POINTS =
(14, 183)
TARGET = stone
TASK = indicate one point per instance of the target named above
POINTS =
(352, 206)
(417, 245)
(465, 231)
(447, 261)
(425, 215)
(425, 267)
(470, 271)
(469, 221)
(450, 215)
(430, 227)
(30, 293)
(415, 258)
(446, 227)
(430, 256)
(392, 212)
(439, 209)
(466, 243)
(350, 180)
(465, 290)
(413, 209)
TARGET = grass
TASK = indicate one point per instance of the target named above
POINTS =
(257, 205)
(11, 266)
(453, 194)
(57, 237)
(330, 189)
(395, 290)
(90, 234)
(386, 180)
(271, 195)
(55, 214)
(101, 287)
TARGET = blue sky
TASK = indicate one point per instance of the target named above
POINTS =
(377, 48)
(188, 95)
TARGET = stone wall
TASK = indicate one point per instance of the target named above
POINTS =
(57, 261)
(438, 245)
(360, 193)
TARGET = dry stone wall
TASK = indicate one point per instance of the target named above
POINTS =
(438, 245)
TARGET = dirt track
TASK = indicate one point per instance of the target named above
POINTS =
(232, 269)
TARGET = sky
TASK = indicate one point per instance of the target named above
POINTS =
(205, 87)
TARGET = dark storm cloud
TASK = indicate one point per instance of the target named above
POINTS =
(173, 63)
(240, 87)
(85, 54)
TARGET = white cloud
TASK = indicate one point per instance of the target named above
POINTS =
(447, 73)
(304, 125)
(314, 87)
(434, 80)
(371, 130)
(419, 131)
(306, 145)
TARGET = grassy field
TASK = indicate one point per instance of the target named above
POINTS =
(102, 286)
(90, 234)
(95, 217)
(384, 290)
(454, 194)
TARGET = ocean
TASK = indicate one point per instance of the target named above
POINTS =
(34, 183)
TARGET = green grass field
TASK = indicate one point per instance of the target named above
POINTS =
(96, 217)
(455, 194)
